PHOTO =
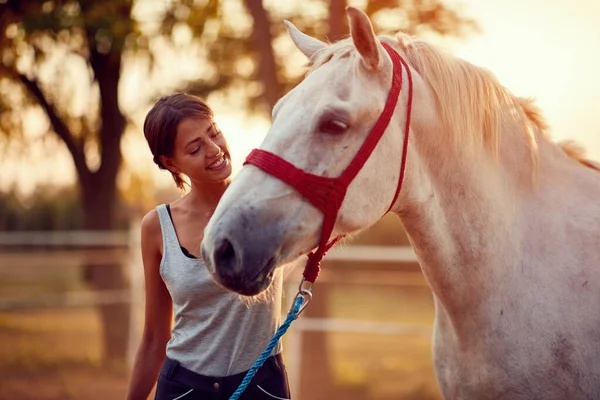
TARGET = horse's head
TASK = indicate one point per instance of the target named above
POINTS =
(262, 222)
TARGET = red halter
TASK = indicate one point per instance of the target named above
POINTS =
(327, 194)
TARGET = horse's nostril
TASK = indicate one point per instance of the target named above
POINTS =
(225, 257)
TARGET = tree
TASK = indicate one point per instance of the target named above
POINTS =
(47, 45)
(67, 59)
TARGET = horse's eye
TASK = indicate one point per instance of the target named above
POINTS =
(333, 126)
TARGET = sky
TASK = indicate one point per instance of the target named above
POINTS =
(546, 49)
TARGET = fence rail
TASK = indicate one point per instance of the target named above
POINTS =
(120, 238)
(66, 238)
(68, 299)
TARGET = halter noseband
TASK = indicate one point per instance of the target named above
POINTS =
(327, 194)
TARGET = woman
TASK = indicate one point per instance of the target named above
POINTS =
(216, 336)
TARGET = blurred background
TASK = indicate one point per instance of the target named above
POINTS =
(76, 80)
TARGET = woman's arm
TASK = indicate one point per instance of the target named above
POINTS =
(158, 314)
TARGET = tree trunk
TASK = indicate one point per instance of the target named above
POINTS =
(263, 45)
(99, 205)
(100, 197)
(338, 21)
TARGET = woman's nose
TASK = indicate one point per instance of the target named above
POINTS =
(213, 149)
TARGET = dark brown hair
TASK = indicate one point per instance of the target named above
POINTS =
(160, 125)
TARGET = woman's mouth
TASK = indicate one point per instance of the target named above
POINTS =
(219, 164)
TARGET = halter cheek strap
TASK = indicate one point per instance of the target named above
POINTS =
(327, 194)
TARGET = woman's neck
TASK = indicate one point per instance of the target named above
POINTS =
(206, 195)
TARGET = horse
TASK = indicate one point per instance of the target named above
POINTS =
(504, 221)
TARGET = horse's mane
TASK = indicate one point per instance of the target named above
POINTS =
(470, 100)
(577, 152)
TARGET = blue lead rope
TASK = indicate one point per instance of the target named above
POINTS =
(266, 354)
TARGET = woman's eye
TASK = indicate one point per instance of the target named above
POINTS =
(333, 126)
(215, 134)
(195, 151)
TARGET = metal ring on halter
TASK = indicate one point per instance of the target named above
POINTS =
(302, 282)
(305, 293)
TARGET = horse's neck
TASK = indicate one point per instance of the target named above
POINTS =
(469, 220)
(459, 231)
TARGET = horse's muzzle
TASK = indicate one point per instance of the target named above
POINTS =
(243, 254)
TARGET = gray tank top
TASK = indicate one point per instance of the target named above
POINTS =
(215, 333)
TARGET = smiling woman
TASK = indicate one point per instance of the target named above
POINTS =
(217, 335)
(178, 132)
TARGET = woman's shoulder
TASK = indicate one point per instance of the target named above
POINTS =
(150, 226)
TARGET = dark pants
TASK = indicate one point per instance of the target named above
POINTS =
(177, 382)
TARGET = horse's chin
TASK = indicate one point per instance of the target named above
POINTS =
(246, 286)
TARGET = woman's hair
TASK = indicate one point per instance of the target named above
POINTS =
(160, 125)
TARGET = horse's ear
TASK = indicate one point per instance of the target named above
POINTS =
(364, 38)
(308, 45)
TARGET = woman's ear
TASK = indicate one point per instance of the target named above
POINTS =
(168, 163)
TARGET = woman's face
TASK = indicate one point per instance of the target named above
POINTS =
(201, 151)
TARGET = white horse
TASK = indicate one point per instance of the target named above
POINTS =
(505, 223)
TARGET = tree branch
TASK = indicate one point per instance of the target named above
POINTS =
(58, 125)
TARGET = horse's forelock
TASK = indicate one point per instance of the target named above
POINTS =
(341, 49)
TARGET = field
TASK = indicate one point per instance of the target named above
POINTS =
(54, 352)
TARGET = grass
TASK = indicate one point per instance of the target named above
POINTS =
(49, 337)
(386, 365)
(54, 354)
